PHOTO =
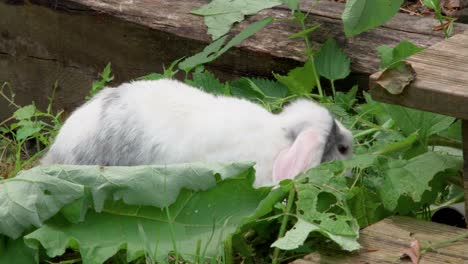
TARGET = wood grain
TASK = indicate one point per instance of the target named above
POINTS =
(441, 83)
(382, 243)
(174, 17)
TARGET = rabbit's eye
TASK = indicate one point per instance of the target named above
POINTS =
(343, 149)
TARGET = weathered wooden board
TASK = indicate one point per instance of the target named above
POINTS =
(441, 83)
(174, 17)
(383, 241)
(42, 41)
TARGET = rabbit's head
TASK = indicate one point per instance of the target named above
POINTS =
(315, 136)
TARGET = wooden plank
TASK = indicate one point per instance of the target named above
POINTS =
(174, 17)
(441, 83)
(382, 243)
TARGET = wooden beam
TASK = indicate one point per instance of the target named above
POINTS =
(382, 243)
(175, 17)
(441, 84)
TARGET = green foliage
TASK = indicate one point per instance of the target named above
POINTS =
(392, 57)
(362, 15)
(435, 5)
(405, 184)
(412, 120)
(27, 124)
(292, 4)
(331, 62)
(196, 202)
(300, 80)
(32, 198)
(101, 84)
(168, 73)
(17, 251)
(217, 48)
(220, 15)
(207, 82)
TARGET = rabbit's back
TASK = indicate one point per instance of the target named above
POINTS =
(161, 122)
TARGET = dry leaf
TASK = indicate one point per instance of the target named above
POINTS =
(451, 4)
(413, 252)
(394, 80)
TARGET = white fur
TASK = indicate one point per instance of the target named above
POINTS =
(186, 125)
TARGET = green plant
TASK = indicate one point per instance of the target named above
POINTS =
(105, 78)
(27, 125)
(447, 28)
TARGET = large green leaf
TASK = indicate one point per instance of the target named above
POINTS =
(220, 15)
(206, 216)
(300, 80)
(411, 120)
(301, 230)
(25, 112)
(407, 183)
(331, 62)
(362, 15)
(366, 206)
(139, 189)
(15, 251)
(29, 199)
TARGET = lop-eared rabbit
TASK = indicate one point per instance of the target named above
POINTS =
(167, 121)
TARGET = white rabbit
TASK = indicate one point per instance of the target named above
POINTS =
(167, 121)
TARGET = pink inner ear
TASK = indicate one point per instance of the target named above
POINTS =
(306, 151)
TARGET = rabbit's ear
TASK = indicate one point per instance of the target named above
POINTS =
(305, 152)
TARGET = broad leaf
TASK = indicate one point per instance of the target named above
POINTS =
(206, 81)
(300, 80)
(296, 237)
(411, 120)
(331, 62)
(29, 199)
(25, 112)
(139, 189)
(407, 184)
(220, 15)
(207, 216)
(366, 206)
(292, 4)
(16, 251)
(347, 100)
(362, 15)
(26, 129)
(389, 56)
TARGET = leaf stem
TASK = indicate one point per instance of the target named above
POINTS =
(436, 140)
(444, 243)
(311, 58)
(228, 250)
(332, 82)
(171, 228)
(284, 223)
